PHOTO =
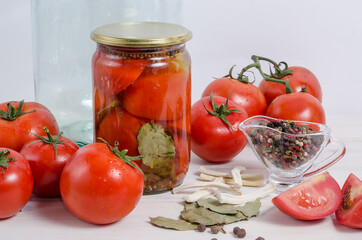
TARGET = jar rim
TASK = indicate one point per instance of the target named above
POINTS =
(141, 34)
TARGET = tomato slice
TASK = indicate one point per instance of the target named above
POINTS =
(350, 211)
(313, 199)
(113, 74)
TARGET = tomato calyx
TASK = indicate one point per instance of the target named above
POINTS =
(221, 111)
(49, 140)
(241, 77)
(4, 159)
(122, 155)
(13, 113)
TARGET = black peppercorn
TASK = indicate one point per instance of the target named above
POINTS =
(201, 228)
(239, 232)
(215, 229)
(260, 238)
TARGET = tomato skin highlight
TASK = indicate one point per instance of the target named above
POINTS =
(98, 187)
(46, 169)
(299, 106)
(20, 129)
(16, 185)
(211, 138)
(299, 77)
(350, 211)
(245, 94)
(313, 199)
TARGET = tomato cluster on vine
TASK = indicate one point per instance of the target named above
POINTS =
(288, 93)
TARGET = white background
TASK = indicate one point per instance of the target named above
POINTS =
(322, 35)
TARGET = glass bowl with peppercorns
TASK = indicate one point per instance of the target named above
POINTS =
(291, 150)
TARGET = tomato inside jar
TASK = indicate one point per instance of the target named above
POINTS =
(142, 97)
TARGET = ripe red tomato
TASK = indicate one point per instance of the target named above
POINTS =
(245, 94)
(297, 79)
(98, 186)
(299, 106)
(16, 182)
(211, 138)
(119, 125)
(19, 119)
(113, 74)
(47, 163)
(313, 199)
(162, 92)
(350, 211)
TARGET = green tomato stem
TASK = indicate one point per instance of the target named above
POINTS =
(13, 113)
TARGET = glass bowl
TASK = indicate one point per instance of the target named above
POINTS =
(291, 150)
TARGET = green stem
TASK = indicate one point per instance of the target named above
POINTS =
(273, 77)
(4, 160)
(50, 140)
(221, 111)
(240, 78)
(122, 155)
(13, 113)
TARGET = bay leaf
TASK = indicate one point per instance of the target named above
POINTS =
(169, 223)
(190, 205)
(216, 206)
(250, 209)
(156, 147)
(207, 217)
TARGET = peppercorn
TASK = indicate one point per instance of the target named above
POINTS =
(201, 228)
(215, 229)
(287, 151)
(213, 238)
(259, 238)
(239, 232)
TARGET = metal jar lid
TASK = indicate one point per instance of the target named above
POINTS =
(141, 34)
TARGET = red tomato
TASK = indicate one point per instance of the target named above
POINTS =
(47, 164)
(313, 199)
(16, 182)
(159, 93)
(99, 187)
(113, 74)
(211, 138)
(350, 211)
(299, 106)
(245, 94)
(181, 161)
(28, 117)
(119, 125)
(299, 77)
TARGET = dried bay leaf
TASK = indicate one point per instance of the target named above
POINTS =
(190, 205)
(180, 225)
(156, 147)
(216, 206)
(251, 209)
(207, 217)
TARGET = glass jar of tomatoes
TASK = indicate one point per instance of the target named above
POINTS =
(142, 97)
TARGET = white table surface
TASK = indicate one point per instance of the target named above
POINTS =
(49, 219)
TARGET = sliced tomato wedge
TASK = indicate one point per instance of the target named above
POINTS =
(350, 211)
(313, 199)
